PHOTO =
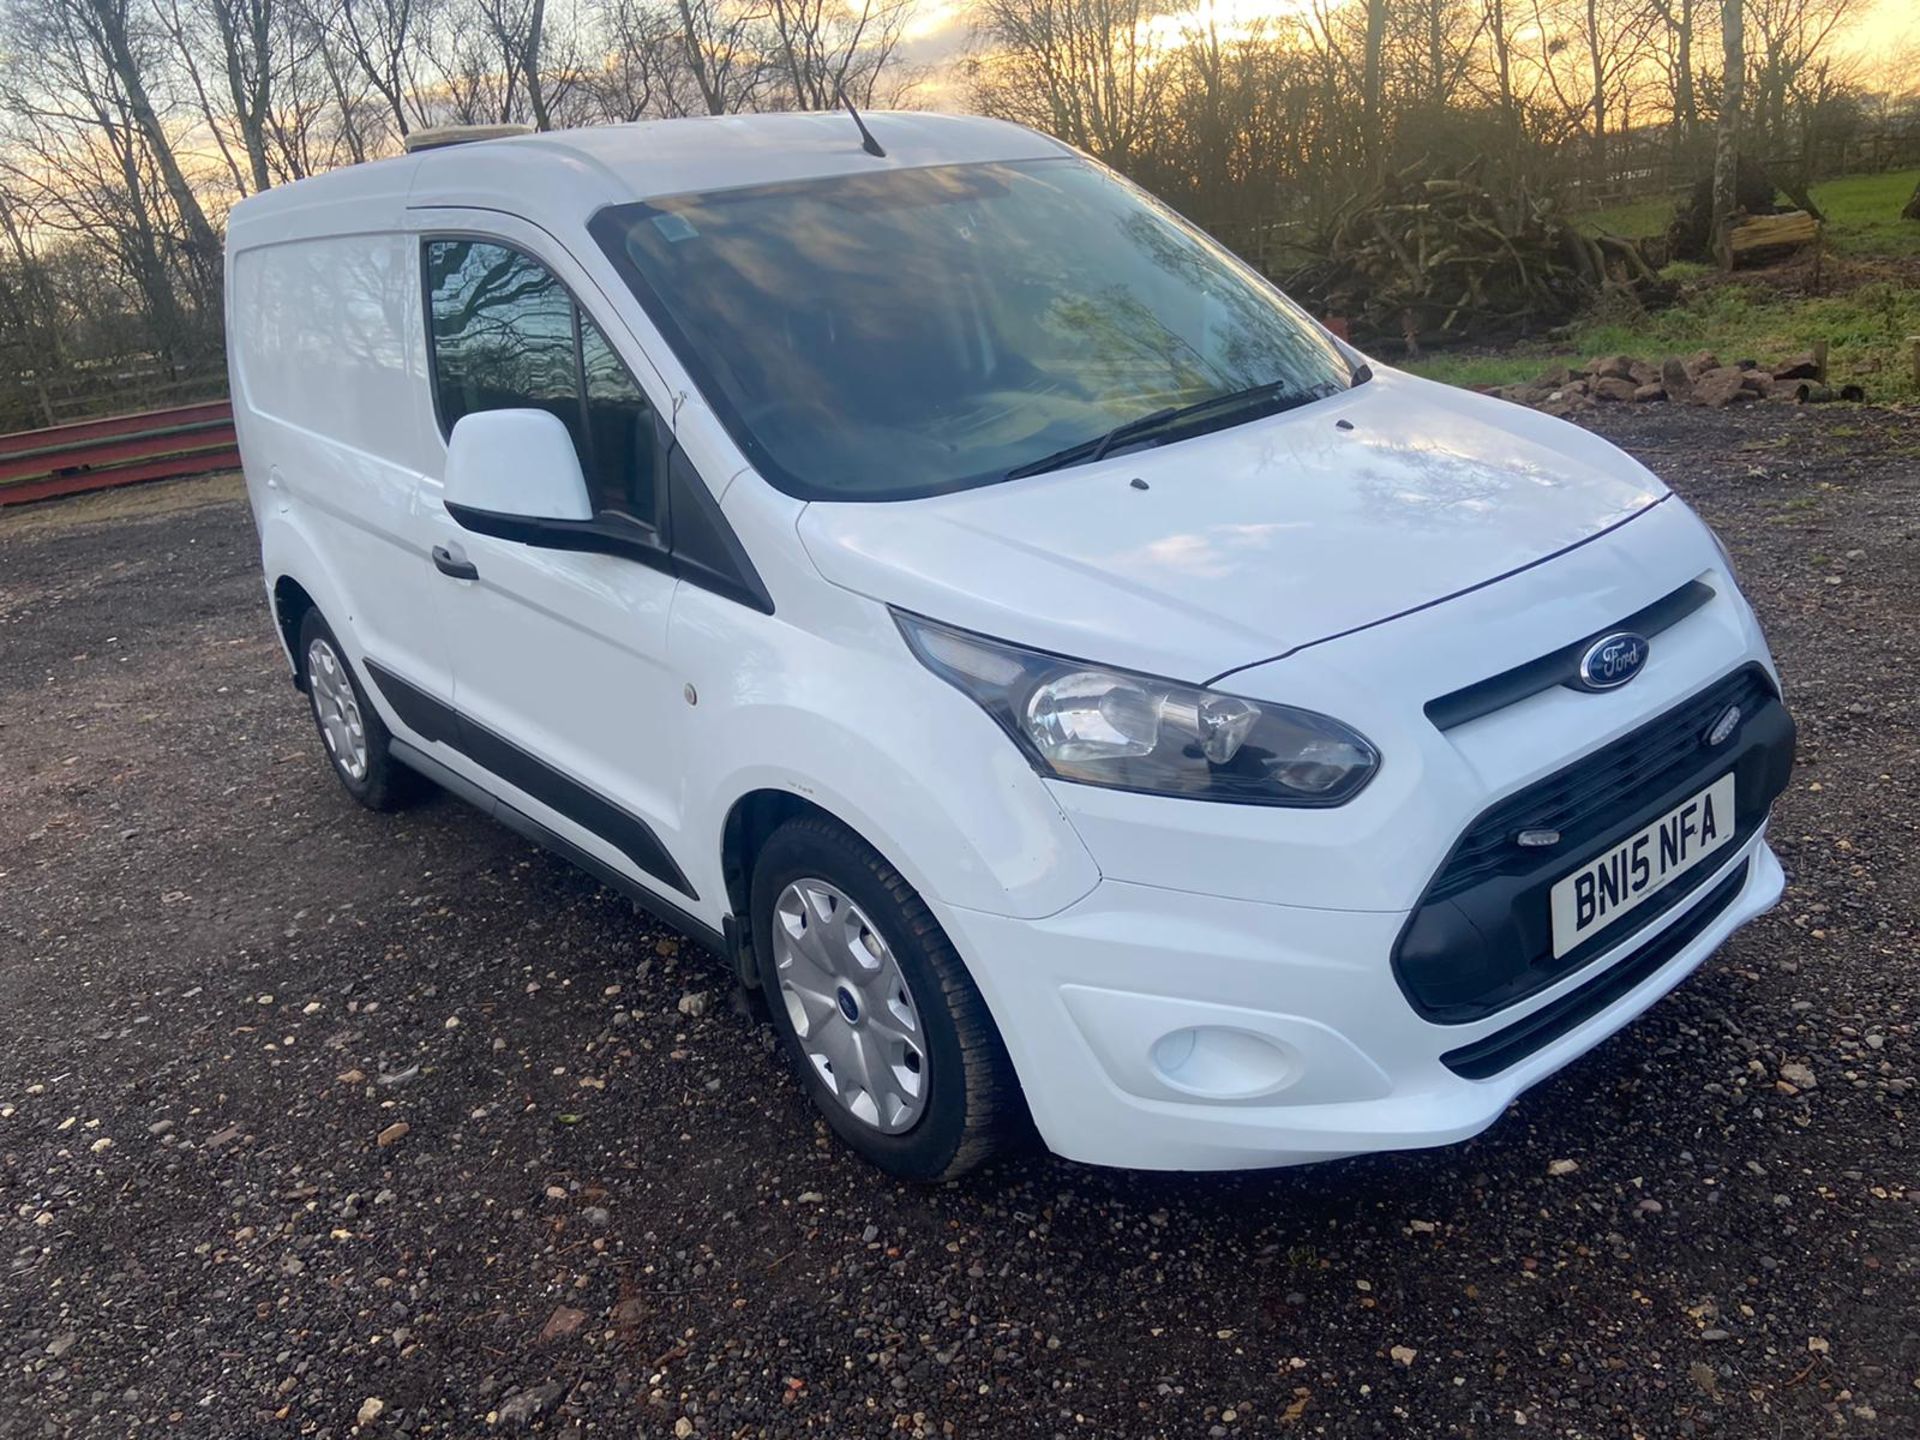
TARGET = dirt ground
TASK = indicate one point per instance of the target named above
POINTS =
(313, 1119)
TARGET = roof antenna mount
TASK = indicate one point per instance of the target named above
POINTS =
(867, 142)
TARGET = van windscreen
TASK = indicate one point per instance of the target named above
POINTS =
(910, 332)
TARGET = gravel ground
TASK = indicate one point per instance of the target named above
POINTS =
(313, 1120)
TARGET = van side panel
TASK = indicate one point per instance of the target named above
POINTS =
(333, 410)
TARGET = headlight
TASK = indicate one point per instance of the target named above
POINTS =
(1109, 727)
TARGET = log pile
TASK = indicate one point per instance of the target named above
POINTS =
(1697, 379)
(1429, 259)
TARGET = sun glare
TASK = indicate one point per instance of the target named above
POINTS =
(1230, 19)
(1883, 41)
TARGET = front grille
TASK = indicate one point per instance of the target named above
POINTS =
(1562, 666)
(1481, 938)
(1588, 795)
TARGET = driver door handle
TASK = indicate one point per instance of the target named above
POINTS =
(444, 562)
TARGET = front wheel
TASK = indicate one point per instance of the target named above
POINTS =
(890, 1037)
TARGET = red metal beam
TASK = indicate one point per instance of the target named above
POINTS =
(118, 450)
(197, 463)
(84, 430)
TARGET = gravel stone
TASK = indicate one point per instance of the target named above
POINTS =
(1034, 1299)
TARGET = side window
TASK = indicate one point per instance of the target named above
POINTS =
(620, 433)
(502, 331)
(506, 334)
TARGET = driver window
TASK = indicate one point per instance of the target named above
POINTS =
(505, 334)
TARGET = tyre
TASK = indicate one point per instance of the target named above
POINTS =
(890, 1038)
(356, 742)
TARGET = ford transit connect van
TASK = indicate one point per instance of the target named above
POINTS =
(1074, 687)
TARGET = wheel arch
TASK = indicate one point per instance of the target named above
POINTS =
(291, 602)
(751, 821)
(300, 578)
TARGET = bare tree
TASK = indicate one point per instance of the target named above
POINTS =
(1677, 18)
(241, 39)
(1084, 70)
(1783, 40)
(1373, 81)
(1593, 53)
(1726, 140)
(127, 53)
(379, 38)
(535, 66)
(822, 48)
(92, 152)
(353, 111)
(1499, 21)
(645, 72)
(718, 43)
(1439, 44)
(30, 318)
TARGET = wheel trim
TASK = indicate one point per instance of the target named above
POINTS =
(849, 1006)
(337, 709)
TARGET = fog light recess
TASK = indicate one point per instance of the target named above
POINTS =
(1217, 1062)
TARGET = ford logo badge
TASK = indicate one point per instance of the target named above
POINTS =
(1612, 660)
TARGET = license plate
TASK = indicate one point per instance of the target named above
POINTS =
(1639, 867)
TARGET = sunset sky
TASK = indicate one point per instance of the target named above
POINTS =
(1886, 36)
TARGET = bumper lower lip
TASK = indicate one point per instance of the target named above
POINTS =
(1339, 1063)
(1538, 1028)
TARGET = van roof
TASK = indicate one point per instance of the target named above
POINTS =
(567, 175)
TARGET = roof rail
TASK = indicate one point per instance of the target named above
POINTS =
(437, 137)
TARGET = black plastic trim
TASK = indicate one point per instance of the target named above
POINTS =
(706, 551)
(602, 535)
(739, 951)
(1562, 666)
(525, 825)
(436, 720)
(424, 714)
(444, 562)
(1504, 1049)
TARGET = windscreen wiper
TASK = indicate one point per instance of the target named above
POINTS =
(1087, 451)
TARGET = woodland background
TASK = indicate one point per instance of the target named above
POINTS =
(128, 128)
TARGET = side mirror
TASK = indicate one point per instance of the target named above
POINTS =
(514, 464)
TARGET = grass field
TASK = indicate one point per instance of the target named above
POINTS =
(1863, 214)
(1866, 327)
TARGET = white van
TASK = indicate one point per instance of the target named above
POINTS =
(1070, 683)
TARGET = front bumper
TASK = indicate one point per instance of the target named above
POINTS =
(1165, 1030)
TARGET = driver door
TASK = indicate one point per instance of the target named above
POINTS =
(564, 701)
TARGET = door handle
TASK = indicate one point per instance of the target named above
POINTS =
(444, 562)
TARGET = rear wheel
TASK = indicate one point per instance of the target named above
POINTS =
(891, 1039)
(356, 741)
